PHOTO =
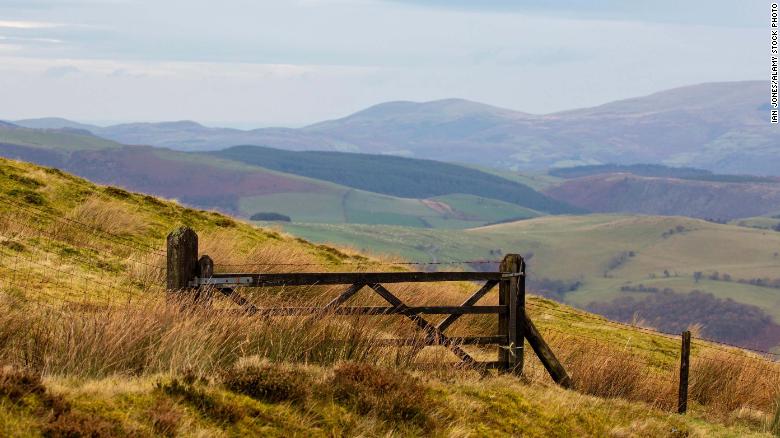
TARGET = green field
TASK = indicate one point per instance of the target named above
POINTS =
(338, 205)
(583, 247)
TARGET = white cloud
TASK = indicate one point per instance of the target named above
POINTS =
(27, 24)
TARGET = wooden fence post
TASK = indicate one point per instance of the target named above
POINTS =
(182, 264)
(685, 354)
(511, 293)
(205, 270)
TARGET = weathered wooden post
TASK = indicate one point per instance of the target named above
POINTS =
(511, 293)
(685, 355)
(182, 266)
(205, 270)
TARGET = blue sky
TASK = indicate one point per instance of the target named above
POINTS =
(258, 63)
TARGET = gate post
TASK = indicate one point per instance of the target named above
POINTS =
(182, 263)
(511, 293)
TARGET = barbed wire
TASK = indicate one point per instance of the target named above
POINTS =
(52, 237)
(660, 332)
(71, 274)
(88, 262)
(44, 279)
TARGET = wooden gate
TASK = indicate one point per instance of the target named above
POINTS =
(188, 274)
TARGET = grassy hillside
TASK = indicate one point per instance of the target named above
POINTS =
(90, 346)
(397, 176)
(600, 254)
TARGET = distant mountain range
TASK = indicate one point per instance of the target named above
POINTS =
(721, 127)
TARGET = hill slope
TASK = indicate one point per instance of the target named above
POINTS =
(81, 262)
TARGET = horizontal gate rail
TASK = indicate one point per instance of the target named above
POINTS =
(379, 310)
(331, 278)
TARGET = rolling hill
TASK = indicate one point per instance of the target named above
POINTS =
(417, 193)
(716, 126)
(396, 176)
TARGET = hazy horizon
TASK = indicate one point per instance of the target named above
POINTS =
(254, 64)
(250, 125)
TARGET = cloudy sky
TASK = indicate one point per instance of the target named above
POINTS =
(252, 63)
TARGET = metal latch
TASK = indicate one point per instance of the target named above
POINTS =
(221, 281)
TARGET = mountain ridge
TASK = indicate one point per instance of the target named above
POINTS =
(721, 127)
